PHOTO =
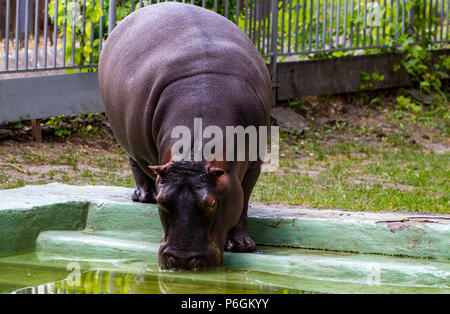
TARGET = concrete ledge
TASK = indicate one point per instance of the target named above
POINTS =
(110, 209)
(19, 228)
(390, 273)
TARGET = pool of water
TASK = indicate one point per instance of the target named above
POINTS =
(41, 272)
(48, 274)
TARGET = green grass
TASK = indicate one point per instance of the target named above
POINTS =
(359, 177)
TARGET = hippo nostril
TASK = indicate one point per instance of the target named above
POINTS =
(193, 263)
(171, 262)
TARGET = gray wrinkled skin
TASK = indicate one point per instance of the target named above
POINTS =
(161, 67)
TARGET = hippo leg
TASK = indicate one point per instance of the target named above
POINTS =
(237, 238)
(145, 186)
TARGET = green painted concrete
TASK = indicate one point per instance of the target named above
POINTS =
(362, 236)
(27, 211)
(370, 272)
(422, 240)
(19, 228)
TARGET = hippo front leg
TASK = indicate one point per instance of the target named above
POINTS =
(238, 239)
(145, 186)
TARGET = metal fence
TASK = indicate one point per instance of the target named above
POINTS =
(38, 35)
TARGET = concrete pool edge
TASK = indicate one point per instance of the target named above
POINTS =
(30, 210)
(370, 272)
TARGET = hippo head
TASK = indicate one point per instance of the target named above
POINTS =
(198, 204)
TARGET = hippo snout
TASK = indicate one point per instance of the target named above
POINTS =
(181, 260)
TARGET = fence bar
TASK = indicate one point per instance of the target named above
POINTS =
(112, 15)
(296, 24)
(83, 29)
(74, 26)
(311, 14)
(17, 43)
(64, 33)
(26, 33)
(45, 33)
(92, 36)
(338, 20)
(378, 26)
(289, 26)
(1, 18)
(238, 2)
(7, 34)
(55, 34)
(100, 32)
(403, 16)
(245, 15)
(365, 23)
(274, 47)
(385, 18)
(351, 24)
(282, 25)
(436, 12)
(317, 25)
(331, 23)
(304, 25)
(36, 32)
(258, 24)
(442, 21)
(251, 20)
(263, 21)
(448, 18)
(269, 7)
(226, 8)
(324, 30)
(345, 23)
(357, 25)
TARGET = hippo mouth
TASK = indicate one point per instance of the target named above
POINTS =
(211, 257)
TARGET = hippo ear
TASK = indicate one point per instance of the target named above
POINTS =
(221, 179)
(216, 172)
(160, 170)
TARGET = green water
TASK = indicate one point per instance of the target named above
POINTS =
(63, 274)
(45, 273)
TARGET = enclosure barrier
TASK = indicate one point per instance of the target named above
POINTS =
(38, 35)
(66, 36)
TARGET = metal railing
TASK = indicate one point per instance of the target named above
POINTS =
(37, 35)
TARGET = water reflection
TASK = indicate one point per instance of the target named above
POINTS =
(114, 282)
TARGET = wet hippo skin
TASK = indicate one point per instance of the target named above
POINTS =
(161, 67)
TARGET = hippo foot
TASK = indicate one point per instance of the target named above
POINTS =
(143, 196)
(240, 242)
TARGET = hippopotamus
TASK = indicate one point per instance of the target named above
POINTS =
(164, 66)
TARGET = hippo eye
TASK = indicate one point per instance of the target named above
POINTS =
(210, 209)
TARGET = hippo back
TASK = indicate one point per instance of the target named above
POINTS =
(161, 44)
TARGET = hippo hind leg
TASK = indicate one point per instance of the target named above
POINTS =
(145, 186)
(238, 239)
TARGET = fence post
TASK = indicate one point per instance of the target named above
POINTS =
(112, 15)
(274, 46)
(411, 30)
